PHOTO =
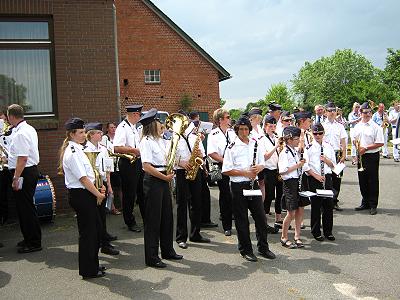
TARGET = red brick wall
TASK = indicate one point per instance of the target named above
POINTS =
(147, 42)
(85, 70)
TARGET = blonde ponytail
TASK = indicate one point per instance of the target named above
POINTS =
(62, 150)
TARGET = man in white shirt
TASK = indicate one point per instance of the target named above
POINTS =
(126, 141)
(335, 135)
(369, 135)
(22, 162)
(379, 118)
(319, 114)
(393, 117)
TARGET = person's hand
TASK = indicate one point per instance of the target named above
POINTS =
(110, 190)
(169, 177)
(362, 150)
(100, 197)
(342, 159)
(301, 163)
(319, 178)
(185, 165)
(135, 151)
(15, 183)
(103, 190)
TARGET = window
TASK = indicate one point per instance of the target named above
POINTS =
(26, 65)
(152, 76)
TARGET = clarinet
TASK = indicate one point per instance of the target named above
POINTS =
(254, 163)
(322, 166)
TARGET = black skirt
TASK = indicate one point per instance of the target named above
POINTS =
(291, 193)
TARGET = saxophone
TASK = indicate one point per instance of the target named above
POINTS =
(195, 161)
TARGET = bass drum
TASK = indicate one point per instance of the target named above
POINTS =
(45, 199)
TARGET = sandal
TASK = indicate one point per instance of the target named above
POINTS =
(288, 244)
(115, 212)
(299, 243)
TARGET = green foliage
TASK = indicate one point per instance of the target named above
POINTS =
(186, 102)
(222, 102)
(235, 113)
(13, 92)
(392, 70)
(279, 93)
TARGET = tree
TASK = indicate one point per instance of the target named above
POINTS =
(222, 102)
(235, 113)
(332, 78)
(392, 70)
(279, 93)
(11, 92)
(186, 102)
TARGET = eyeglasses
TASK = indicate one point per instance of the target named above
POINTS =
(286, 120)
(318, 133)
(331, 110)
(366, 112)
(227, 117)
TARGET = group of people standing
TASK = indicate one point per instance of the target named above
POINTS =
(278, 156)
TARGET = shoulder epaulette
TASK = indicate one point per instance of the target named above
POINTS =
(73, 149)
(287, 151)
(84, 147)
(260, 137)
(216, 132)
(147, 137)
(308, 146)
(231, 145)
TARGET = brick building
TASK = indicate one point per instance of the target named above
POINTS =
(59, 59)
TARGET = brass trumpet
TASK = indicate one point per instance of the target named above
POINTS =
(132, 158)
(178, 124)
(357, 144)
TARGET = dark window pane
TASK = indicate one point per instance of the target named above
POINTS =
(24, 31)
(25, 78)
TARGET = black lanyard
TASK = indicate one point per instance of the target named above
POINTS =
(294, 156)
(227, 140)
(134, 139)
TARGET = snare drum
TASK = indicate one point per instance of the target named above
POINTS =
(45, 198)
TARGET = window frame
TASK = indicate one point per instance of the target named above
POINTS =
(34, 44)
(149, 75)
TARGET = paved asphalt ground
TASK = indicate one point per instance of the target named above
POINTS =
(362, 263)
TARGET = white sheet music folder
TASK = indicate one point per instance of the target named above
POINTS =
(325, 193)
(339, 168)
(252, 193)
(307, 194)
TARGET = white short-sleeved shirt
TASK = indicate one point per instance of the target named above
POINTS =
(312, 156)
(183, 153)
(126, 135)
(24, 142)
(76, 165)
(218, 141)
(240, 156)
(256, 134)
(352, 117)
(393, 115)
(266, 144)
(378, 118)
(368, 133)
(154, 151)
(287, 158)
(334, 133)
(90, 147)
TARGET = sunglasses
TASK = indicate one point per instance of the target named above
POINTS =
(318, 133)
(286, 120)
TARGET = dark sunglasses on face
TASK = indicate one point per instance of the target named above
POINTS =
(286, 120)
(366, 112)
(318, 132)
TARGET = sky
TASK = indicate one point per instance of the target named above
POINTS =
(264, 42)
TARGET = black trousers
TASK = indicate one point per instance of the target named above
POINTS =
(139, 190)
(129, 182)
(336, 180)
(205, 199)
(321, 205)
(104, 240)
(369, 179)
(188, 196)
(5, 194)
(89, 225)
(158, 228)
(26, 210)
(273, 190)
(225, 202)
(241, 205)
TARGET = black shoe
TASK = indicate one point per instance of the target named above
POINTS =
(337, 207)
(302, 226)
(361, 207)
(173, 257)
(208, 225)
(21, 244)
(267, 254)
(99, 274)
(272, 230)
(1, 245)
(134, 228)
(200, 240)
(158, 264)
(373, 211)
(28, 249)
(109, 250)
(330, 237)
(182, 245)
(111, 238)
(249, 257)
(228, 232)
(278, 224)
(319, 238)
(102, 268)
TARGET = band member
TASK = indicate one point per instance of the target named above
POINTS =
(273, 184)
(5, 177)
(370, 138)
(393, 117)
(335, 135)
(218, 140)
(205, 190)
(319, 114)
(320, 158)
(380, 118)
(94, 133)
(275, 110)
(290, 168)
(126, 141)
(108, 141)
(158, 228)
(83, 197)
(285, 121)
(22, 162)
(242, 162)
(353, 118)
(189, 191)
